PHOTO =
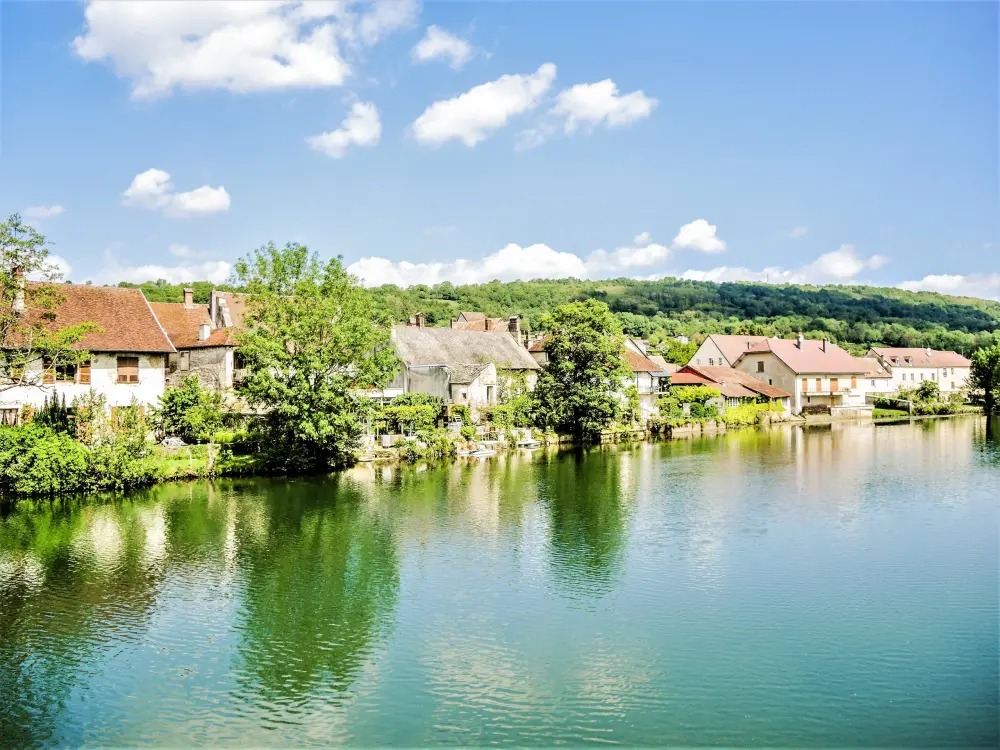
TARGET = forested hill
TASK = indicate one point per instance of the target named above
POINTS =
(659, 309)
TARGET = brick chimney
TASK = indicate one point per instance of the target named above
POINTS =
(824, 345)
(189, 297)
(204, 331)
(514, 326)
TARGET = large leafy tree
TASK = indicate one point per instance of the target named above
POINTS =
(28, 334)
(313, 340)
(984, 377)
(579, 391)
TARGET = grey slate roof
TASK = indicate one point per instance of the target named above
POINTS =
(465, 374)
(450, 346)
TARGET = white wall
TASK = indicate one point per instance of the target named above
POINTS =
(950, 379)
(778, 374)
(103, 379)
(709, 354)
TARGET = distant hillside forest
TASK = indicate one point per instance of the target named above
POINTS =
(854, 316)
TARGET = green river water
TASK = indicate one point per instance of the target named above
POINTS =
(795, 587)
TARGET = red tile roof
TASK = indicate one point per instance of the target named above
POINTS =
(126, 321)
(664, 366)
(182, 325)
(730, 376)
(236, 302)
(682, 377)
(733, 346)
(875, 368)
(640, 362)
(811, 358)
(921, 357)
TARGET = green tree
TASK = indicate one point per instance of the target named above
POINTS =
(190, 410)
(28, 337)
(579, 391)
(313, 340)
(984, 377)
(928, 390)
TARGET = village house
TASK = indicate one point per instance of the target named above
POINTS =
(477, 321)
(649, 378)
(458, 365)
(909, 367)
(128, 353)
(735, 386)
(720, 350)
(816, 373)
(877, 380)
(203, 348)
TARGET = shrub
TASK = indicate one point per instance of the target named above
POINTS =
(744, 415)
(878, 413)
(54, 414)
(407, 419)
(468, 432)
(515, 412)
(928, 390)
(462, 412)
(190, 411)
(36, 460)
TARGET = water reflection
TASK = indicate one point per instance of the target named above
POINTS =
(684, 592)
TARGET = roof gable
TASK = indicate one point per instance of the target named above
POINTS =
(182, 324)
(733, 346)
(814, 357)
(449, 346)
(921, 357)
(124, 316)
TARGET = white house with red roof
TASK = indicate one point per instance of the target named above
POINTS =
(721, 350)
(128, 351)
(909, 367)
(816, 373)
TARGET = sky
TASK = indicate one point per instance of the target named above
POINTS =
(801, 142)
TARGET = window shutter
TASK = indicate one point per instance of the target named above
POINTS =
(128, 369)
(48, 372)
(854, 381)
(83, 373)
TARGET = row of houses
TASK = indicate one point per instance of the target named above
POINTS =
(141, 348)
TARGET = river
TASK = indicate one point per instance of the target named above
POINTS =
(829, 586)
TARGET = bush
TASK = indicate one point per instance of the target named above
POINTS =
(745, 415)
(462, 412)
(515, 412)
(879, 413)
(36, 460)
(468, 432)
(407, 419)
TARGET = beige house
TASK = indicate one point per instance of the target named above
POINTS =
(909, 367)
(877, 381)
(816, 373)
(720, 350)
(128, 353)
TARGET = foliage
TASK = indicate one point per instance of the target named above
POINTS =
(578, 392)
(630, 411)
(162, 291)
(91, 417)
(984, 377)
(190, 411)
(879, 413)
(695, 394)
(54, 414)
(406, 420)
(745, 415)
(468, 433)
(676, 352)
(28, 310)
(462, 412)
(313, 340)
(517, 411)
(418, 399)
(928, 390)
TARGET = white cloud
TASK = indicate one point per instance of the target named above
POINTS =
(643, 238)
(699, 235)
(797, 232)
(838, 267)
(984, 285)
(239, 46)
(507, 264)
(644, 254)
(361, 127)
(153, 190)
(181, 251)
(531, 137)
(56, 268)
(438, 44)
(593, 104)
(43, 212)
(216, 271)
(474, 115)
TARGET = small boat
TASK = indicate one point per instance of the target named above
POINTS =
(528, 443)
(482, 452)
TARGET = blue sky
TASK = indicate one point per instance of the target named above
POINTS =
(788, 142)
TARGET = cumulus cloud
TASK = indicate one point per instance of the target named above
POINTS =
(699, 235)
(644, 253)
(43, 212)
(593, 104)
(840, 266)
(216, 271)
(797, 232)
(473, 116)
(153, 190)
(643, 238)
(361, 127)
(984, 285)
(507, 264)
(438, 44)
(239, 46)
(56, 268)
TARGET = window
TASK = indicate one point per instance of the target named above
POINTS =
(128, 369)
(805, 385)
(873, 384)
(60, 372)
(834, 385)
(912, 376)
(83, 373)
(854, 381)
(770, 382)
(732, 402)
(819, 384)
(760, 366)
(9, 417)
(953, 385)
(698, 361)
(185, 361)
(239, 361)
(933, 376)
(921, 376)
(711, 360)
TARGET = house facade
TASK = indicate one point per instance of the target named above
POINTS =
(128, 353)
(458, 365)
(720, 350)
(910, 367)
(877, 381)
(815, 373)
(648, 377)
(202, 349)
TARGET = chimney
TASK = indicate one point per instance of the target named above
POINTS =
(19, 294)
(824, 346)
(418, 320)
(514, 326)
(189, 297)
(800, 341)
(204, 331)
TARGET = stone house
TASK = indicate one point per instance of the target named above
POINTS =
(128, 352)
(458, 365)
